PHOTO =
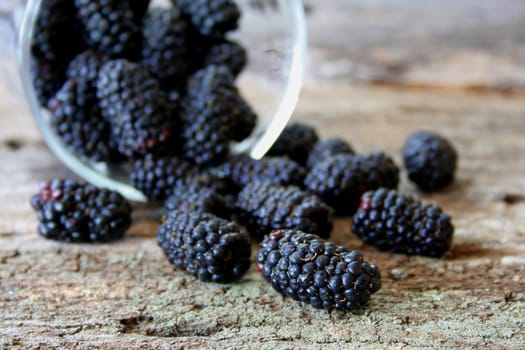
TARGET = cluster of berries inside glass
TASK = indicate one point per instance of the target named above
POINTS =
(156, 87)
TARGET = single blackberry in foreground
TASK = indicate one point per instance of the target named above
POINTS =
(73, 211)
(430, 160)
(211, 17)
(194, 197)
(295, 141)
(241, 169)
(110, 27)
(207, 247)
(401, 224)
(138, 110)
(228, 53)
(324, 149)
(77, 120)
(309, 269)
(158, 176)
(263, 207)
(164, 51)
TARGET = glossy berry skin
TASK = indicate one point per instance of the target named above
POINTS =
(73, 211)
(320, 273)
(205, 246)
(401, 224)
(324, 149)
(295, 142)
(430, 160)
(263, 207)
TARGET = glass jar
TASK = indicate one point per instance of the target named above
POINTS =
(274, 34)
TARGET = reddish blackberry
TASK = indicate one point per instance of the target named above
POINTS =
(110, 27)
(401, 224)
(73, 211)
(86, 66)
(138, 110)
(309, 269)
(228, 53)
(263, 207)
(76, 118)
(157, 176)
(239, 170)
(295, 141)
(207, 247)
(211, 17)
(324, 149)
(197, 198)
(430, 160)
(164, 51)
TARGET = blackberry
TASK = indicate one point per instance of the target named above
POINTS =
(138, 109)
(327, 148)
(207, 247)
(309, 269)
(110, 27)
(430, 160)
(212, 18)
(401, 224)
(239, 170)
(47, 79)
(263, 207)
(295, 141)
(209, 79)
(157, 177)
(196, 198)
(86, 66)
(76, 118)
(228, 53)
(164, 51)
(73, 211)
(341, 180)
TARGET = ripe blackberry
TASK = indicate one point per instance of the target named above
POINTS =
(324, 149)
(430, 160)
(76, 118)
(228, 53)
(197, 198)
(110, 27)
(341, 180)
(239, 170)
(209, 79)
(211, 17)
(138, 109)
(295, 141)
(86, 66)
(263, 207)
(157, 177)
(401, 224)
(73, 211)
(207, 247)
(309, 269)
(47, 79)
(164, 51)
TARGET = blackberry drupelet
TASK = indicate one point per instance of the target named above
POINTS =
(228, 53)
(401, 224)
(110, 27)
(295, 141)
(379, 171)
(138, 110)
(339, 181)
(204, 246)
(212, 18)
(165, 51)
(197, 198)
(240, 169)
(430, 160)
(73, 211)
(309, 269)
(324, 149)
(157, 176)
(77, 120)
(86, 66)
(263, 207)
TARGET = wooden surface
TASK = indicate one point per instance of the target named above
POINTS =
(126, 295)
